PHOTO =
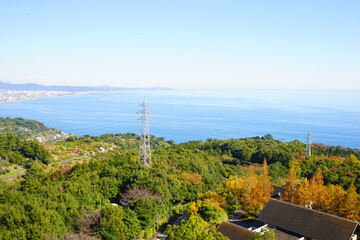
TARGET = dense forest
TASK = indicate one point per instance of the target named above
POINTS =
(95, 188)
(30, 129)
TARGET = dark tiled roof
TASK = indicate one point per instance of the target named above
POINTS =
(234, 232)
(307, 222)
(249, 223)
(278, 192)
(281, 234)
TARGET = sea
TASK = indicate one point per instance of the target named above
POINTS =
(331, 116)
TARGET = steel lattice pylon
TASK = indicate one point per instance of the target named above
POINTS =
(308, 144)
(145, 149)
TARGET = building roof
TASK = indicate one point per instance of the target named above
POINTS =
(281, 234)
(307, 222)
(278, 192)
(248, 223)
(234, 232)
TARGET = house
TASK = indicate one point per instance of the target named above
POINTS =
(245, 230)
(278, 192)
(101, 149)
(307, 222)
(234, 231)
(291, 222)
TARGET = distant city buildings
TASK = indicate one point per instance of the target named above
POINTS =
(16, 95)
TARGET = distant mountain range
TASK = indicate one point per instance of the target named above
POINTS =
(38, 87)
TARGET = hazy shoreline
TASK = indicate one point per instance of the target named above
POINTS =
(9, 96)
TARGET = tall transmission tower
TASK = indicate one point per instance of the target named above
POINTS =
(145, 150)
(308, 144)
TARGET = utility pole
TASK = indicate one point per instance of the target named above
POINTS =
(145, 150)
(308, 144)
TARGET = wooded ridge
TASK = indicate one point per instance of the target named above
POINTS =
(110, 195)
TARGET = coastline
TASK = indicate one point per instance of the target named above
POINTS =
(9, 96)
(189, 115)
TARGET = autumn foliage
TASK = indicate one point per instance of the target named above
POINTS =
(213, 199)
(251, 191)
(313, 193)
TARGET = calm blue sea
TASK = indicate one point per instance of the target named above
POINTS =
(333, 117)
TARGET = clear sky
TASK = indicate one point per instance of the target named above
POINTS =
(307, 44)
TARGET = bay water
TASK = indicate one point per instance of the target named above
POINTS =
(332, 117)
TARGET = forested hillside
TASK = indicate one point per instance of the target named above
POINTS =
(18, 152)
(30, 129)
(50, 203)
(92, 194)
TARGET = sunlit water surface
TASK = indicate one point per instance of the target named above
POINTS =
(333, 117)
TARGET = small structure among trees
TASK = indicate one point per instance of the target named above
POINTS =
(307, 222)
(290, 222)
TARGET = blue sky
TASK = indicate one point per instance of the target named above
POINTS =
(280, 44)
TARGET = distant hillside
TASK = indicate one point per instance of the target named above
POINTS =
(38, 87)
(30, 129)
